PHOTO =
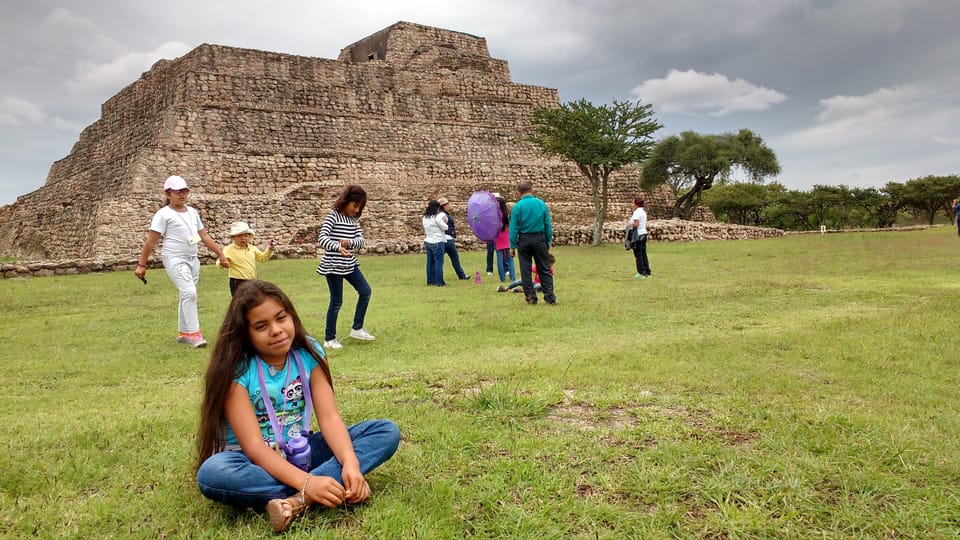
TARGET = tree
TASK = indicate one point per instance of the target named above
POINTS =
(742, 203)
(600, 140)
(930, 194)
(881, 205)
(691, 163)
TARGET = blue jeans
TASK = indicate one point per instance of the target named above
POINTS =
(434, 263)
(335, 284)
(505, 265)
(450, 249)
(229, 477)
(491, 249)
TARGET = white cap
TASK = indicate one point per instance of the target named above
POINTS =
(175, 183)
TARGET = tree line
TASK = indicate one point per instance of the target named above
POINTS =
(919, 200)
(704, 169)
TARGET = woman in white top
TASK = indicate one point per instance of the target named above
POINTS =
(182, 230)
(434, 227)
(638, 224)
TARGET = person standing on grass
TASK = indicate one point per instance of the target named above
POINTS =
(531, 234)
(491, 246)
(434, 228)
(505, 267)
(181, 229)
(956, 209)
(340, 236)
(637, 238)
(243, 255)
(265, 379)
(450, 239)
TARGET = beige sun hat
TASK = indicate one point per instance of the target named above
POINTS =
(240, 227)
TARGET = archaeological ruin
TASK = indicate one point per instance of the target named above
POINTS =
(411, 113)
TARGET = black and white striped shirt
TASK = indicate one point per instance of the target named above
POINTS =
(338, 227)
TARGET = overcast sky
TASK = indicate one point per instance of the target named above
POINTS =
(854, 92)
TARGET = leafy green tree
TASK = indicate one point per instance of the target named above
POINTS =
(882, 206)
(600, 140)
(930, 194)
(792, 210)
(742, 203)
(692, 162)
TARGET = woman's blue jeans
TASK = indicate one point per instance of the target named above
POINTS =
(335, 284)
(434, 263)
(230, 477)
(505, 265)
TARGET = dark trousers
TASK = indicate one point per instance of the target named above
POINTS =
(532, 247)
(640, 254)
(234, 284)
(450, 249)
(335, 284)
(491, 249)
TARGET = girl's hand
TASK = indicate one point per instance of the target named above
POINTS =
(358, 490)
(326, 491)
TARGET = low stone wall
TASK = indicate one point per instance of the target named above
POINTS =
(666, 230)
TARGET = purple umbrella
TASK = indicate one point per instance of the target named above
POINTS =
(483, 215)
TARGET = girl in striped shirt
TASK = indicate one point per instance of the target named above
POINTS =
(340, 236)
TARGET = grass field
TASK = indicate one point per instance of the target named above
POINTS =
(800, 387)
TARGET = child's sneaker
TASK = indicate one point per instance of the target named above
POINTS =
(362, 334)
(332, 344)
(193, 339)
(500, 288)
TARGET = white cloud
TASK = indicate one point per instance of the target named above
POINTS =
(19, 112)
(692, 91)
(99, 78)
(946, 140)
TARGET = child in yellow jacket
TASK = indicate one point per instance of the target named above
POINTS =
(243, 255)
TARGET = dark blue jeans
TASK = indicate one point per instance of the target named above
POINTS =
(450, 248)
(335, 284)
(491, 249)
(230, 477)
(434, 254)
(533, 247)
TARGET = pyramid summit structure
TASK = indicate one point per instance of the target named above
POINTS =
(411, 113)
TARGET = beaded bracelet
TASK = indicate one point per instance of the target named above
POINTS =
(303, 490)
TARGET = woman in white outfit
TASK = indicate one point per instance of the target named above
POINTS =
(181, 229)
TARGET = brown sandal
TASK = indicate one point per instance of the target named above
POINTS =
(282, 516)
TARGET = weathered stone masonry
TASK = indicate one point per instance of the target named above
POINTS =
(410, 112)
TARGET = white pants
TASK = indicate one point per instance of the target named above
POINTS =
(184, 272)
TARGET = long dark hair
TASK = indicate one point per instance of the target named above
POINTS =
(504, 214)
(231, 357)
(433, 208)
(351, 194)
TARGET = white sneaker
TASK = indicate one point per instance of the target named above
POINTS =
(332, 344)
(361, 334)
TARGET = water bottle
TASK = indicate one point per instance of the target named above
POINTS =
(298, 452)
(476, 278)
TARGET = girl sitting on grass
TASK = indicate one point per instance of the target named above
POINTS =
(265, 376)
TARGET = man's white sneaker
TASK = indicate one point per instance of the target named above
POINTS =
(361, 334)
(332, 344)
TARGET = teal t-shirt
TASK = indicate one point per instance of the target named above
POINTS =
(285, 389)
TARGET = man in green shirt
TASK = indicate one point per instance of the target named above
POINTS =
(531, 233)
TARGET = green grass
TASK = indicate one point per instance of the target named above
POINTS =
(796, 387)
